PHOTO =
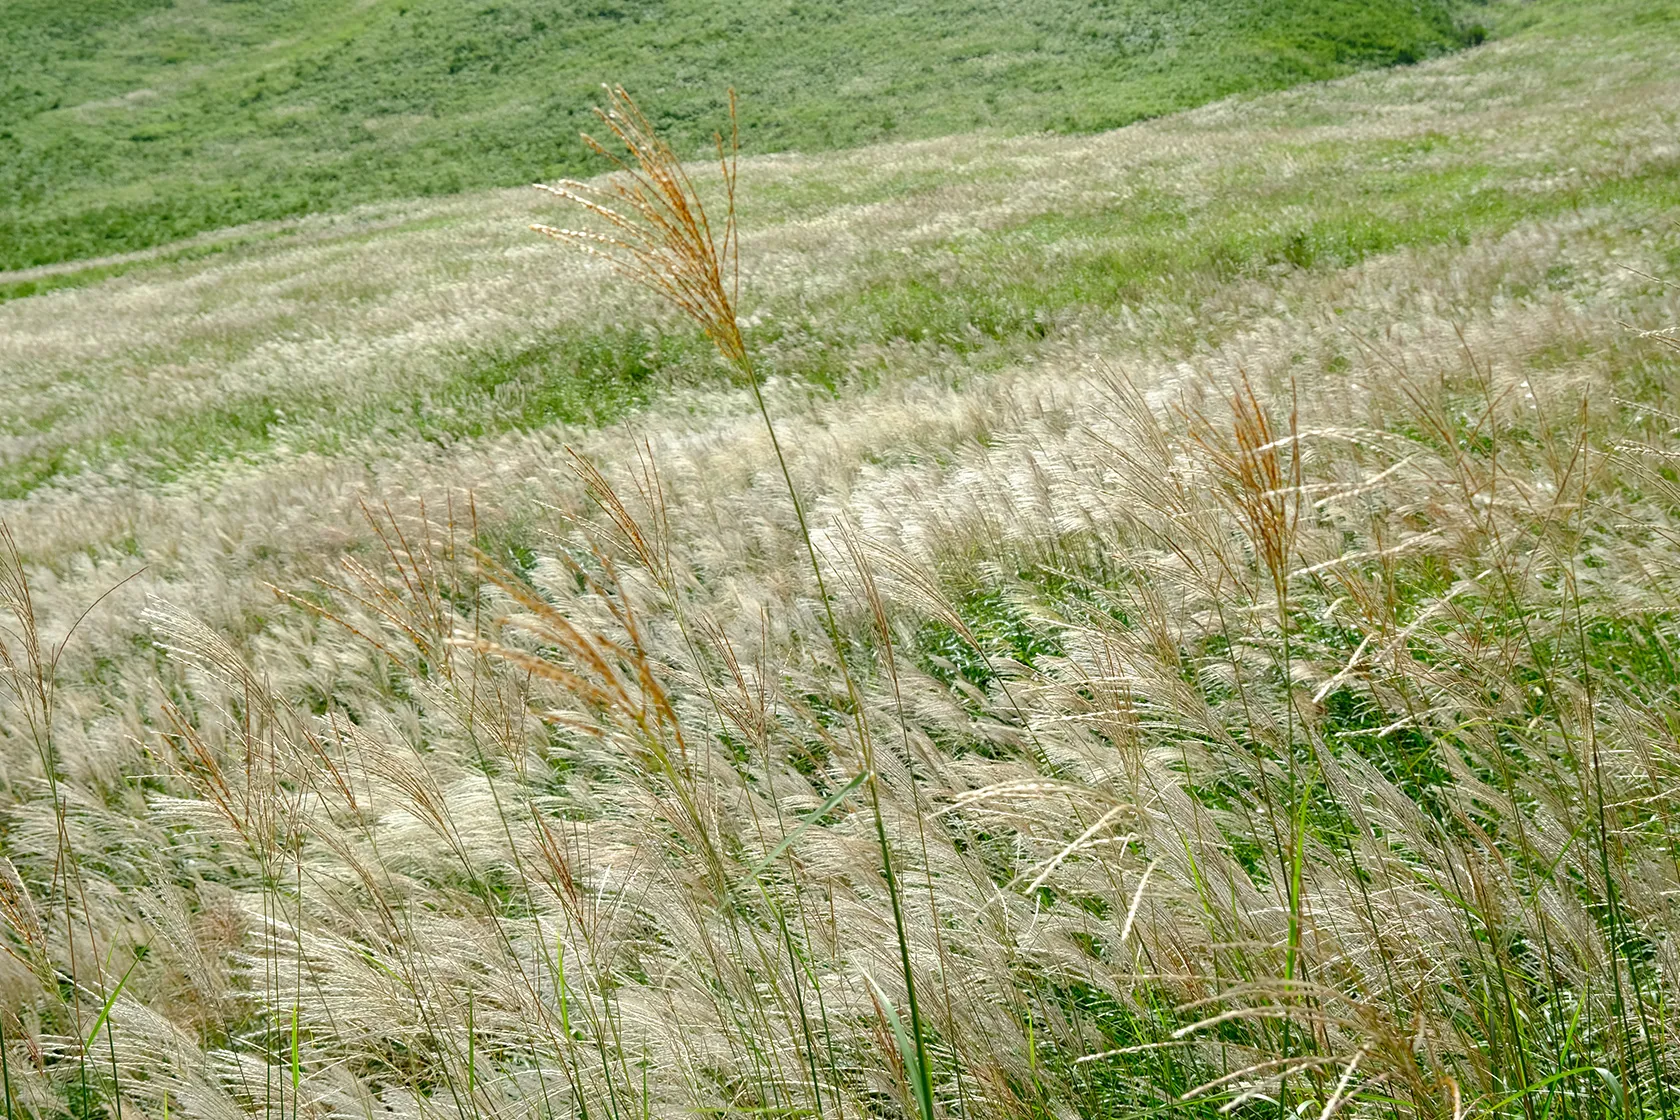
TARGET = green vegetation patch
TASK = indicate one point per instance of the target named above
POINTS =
(573, 377)
(1013, 283)
(126, 124)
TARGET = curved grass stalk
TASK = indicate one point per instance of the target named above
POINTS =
(660, 236)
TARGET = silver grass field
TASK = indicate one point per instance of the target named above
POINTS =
(1258, 697)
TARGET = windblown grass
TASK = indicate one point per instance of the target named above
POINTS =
(424, 326)
(1278, 719)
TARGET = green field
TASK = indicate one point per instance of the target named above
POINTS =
(127, 124)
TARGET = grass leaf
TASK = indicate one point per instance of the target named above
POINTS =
(806, 822)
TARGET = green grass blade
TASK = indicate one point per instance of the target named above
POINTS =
(806, 822)
(907, 1051)
(1615, 1085)
(1545, 1083)
(110, 1000)
(560, 986)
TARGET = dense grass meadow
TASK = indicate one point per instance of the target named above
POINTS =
(127, 125)
(1144, 602)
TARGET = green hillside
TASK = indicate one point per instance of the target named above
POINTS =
(126, 124)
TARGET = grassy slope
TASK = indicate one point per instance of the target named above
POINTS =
(125, 124)
(1526, 616)
(1059, 246)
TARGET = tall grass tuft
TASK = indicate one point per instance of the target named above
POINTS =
(1279, 649)
(661, 238)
